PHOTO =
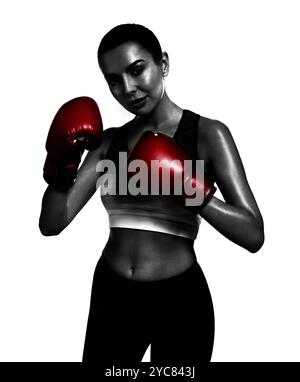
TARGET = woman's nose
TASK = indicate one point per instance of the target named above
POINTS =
(129, 85)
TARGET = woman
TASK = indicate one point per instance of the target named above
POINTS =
(148, 287)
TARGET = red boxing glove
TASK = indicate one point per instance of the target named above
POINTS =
(76, 126)
(159, 147)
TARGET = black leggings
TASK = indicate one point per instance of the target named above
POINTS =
(174, 315)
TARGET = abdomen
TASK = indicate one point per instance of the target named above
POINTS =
(147, 255)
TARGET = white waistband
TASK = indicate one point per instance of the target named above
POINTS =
(150, 223)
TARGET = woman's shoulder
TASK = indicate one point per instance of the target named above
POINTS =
(212, 135)
(210, 129)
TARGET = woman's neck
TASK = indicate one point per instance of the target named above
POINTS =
(162, 118)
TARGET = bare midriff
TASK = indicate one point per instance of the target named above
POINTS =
(147, 255)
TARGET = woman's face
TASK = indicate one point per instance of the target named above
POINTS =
(134, 78)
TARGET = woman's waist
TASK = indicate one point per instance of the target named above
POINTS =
(147, 239)
(139, 254)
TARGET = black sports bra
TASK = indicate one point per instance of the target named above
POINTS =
(160, 213)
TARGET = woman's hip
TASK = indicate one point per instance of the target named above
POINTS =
(188, 289)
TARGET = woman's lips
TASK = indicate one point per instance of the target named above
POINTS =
(139, 102)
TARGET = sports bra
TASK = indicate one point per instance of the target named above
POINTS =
(159, 213)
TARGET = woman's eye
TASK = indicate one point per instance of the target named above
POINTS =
(137, 70)
(112, 81)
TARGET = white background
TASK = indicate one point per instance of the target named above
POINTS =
(236, 61)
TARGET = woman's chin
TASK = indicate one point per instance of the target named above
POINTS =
(140, 112)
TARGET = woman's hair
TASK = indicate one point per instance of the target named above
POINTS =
(133, 33)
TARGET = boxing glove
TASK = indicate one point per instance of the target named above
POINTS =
(162, 155)
(76, 126)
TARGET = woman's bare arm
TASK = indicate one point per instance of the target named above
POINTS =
(238, 218)
(59, 208)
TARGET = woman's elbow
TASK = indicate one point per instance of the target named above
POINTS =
(257, 241)
(46, 231)
(49, 233)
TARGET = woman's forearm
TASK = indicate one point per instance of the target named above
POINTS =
(236, 224)
(53, 218)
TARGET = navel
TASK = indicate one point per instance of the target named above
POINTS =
(131, 271)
